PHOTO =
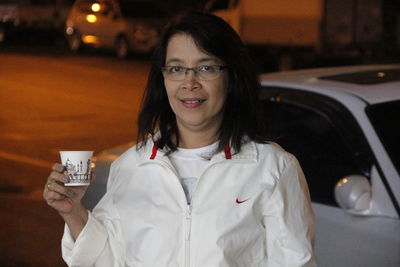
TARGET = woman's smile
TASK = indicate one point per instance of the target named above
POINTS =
(192, 102)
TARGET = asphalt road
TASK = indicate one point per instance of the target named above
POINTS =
(51, 102)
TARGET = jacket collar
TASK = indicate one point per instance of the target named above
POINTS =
(227, 151)
(150, 152)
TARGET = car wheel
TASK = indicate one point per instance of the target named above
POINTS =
(121, 47)
(75, 42)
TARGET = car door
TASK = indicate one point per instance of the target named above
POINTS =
(330, 145)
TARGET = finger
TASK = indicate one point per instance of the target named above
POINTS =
(59, 177)
(61, 189)
(76, 191)
(58, 167)
(52, 196)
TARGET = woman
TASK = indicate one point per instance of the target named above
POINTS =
(202, 188)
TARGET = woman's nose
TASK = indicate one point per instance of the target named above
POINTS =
(190, 74)
(191, 81)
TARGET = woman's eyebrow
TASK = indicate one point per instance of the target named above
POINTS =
(207, 59)
(201, 60)
(173, 60)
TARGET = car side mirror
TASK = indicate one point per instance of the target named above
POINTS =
(353, 194)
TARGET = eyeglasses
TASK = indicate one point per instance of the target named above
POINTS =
(204, 72)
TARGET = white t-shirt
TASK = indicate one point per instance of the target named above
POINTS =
(190, 164)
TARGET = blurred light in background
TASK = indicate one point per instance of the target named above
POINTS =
(381, 74)
(91, 18)
(96, 7)
(89, 39)
(69, 30)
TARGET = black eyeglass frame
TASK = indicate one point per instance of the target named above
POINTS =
(194, 69)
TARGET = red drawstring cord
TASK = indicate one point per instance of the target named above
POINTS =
(154, 152)
(227, 150)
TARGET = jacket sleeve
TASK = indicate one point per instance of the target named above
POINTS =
(100, 242)
(289, 220)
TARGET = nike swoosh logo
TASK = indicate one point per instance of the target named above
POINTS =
(240, 201)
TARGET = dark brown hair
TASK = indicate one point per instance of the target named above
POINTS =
(215, 37)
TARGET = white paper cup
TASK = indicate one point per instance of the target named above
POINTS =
(78, 165)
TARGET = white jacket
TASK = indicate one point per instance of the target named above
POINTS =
(250, 209)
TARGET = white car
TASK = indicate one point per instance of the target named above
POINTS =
(343, 124)
(122, 25)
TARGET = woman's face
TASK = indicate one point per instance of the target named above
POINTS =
(197, 104)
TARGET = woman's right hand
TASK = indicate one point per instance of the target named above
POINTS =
(65, 199)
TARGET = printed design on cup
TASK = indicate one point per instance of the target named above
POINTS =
(77, 166)
(78, 173)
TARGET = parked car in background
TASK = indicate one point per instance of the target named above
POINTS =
(343, 125)
(32, 15)
(122, 25)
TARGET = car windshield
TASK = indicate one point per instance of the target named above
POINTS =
(132, 9)
(385, 118)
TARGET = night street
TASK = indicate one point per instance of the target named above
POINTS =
(50, 103)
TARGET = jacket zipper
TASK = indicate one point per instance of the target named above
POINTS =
(188, 216)
(188, 212)
(188, 220)
(188, 228)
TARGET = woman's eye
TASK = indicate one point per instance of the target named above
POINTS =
(207, 68)
(175, 69)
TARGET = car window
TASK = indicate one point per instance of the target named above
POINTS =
(385, 119)
(315, 141)
(133, 9)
